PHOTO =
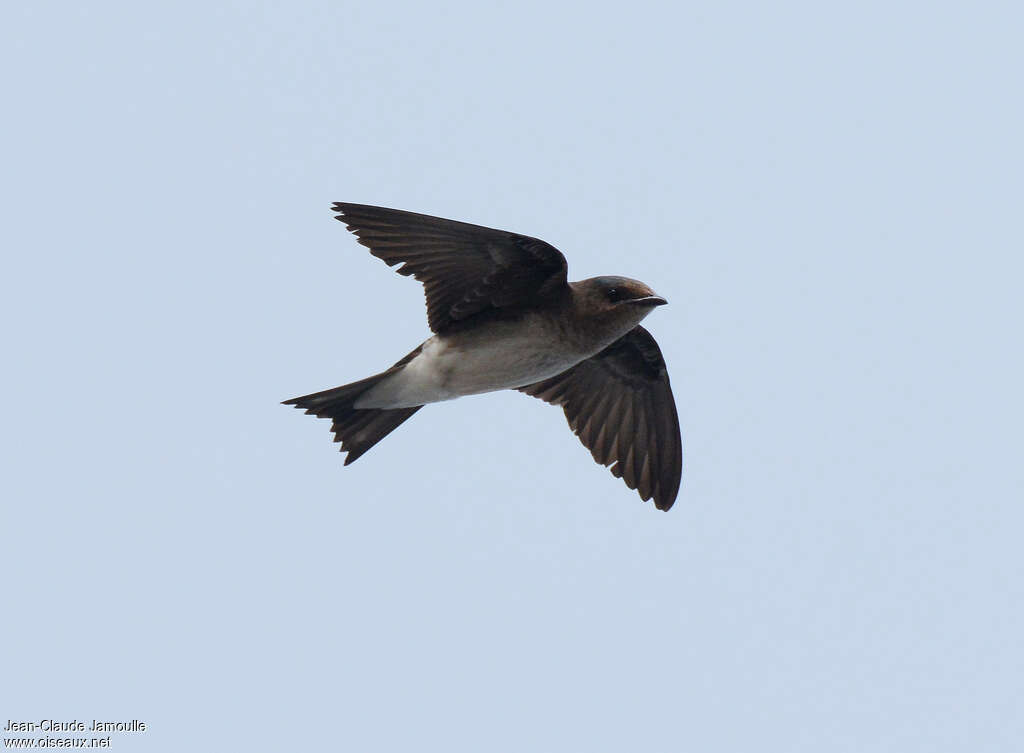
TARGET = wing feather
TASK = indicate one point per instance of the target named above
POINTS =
(620, 404)
(465, 269)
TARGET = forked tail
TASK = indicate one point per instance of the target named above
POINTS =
(358, 429)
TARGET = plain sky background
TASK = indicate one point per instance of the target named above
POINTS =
(830, 197)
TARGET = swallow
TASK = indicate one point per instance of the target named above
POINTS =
(504, 316)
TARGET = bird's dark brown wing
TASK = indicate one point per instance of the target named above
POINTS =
(465, 269)
(619, 403)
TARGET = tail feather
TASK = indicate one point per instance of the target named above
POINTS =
(358, 429)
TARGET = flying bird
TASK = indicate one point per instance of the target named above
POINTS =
(504, 316)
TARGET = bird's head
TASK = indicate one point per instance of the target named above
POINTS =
(617, 302)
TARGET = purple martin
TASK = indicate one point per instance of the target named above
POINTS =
(504, 316)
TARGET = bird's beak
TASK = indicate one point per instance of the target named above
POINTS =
(649, 300)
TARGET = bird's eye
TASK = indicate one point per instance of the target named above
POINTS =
(613, 294)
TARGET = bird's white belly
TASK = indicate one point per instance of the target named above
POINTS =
(445, 371)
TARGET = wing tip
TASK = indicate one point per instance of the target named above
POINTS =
(664, 503)
(341, 209)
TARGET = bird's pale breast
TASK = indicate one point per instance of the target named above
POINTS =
(497, 356)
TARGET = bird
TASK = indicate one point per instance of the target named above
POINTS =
(504, 316)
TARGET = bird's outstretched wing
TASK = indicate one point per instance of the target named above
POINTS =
(619, 403)
(465, 269)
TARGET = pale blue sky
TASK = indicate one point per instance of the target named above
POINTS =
(830, 198)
